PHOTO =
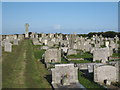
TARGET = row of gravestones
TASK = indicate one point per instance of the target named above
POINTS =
(7, 42)
(54, 55)
(102, 72)
(75, 42)
(99, 54)
(8, 45)
(102, 54)
(66, 73)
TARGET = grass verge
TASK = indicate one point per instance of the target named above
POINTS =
(87, 83)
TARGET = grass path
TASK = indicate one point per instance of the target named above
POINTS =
(21, 69)
(12, 67)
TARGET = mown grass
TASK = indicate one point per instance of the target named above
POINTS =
(44, 75)
(11, 65)
(84, 55)
(37, 52)
(64, 61)
(80, 61)
(87, 83)
(116, 55)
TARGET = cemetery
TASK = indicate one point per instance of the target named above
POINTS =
(57, 45)
(34, 60)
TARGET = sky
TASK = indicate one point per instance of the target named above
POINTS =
(59, 17)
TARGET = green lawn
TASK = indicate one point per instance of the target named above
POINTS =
(36, 72)
(80, 61)
(87, 83)
(64, 61)
(84, 55)
(11, 66)
(116, 55)
(37, 52)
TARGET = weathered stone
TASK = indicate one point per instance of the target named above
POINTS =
(66, 72)
(107, 43)
(15, 42)
(103, 73)
(26, 33)
(64, 49)
(36, 42)
(44, 47)
(100, 54)
(71, 52)
(50, 43)
(8, 47)
(53, 55)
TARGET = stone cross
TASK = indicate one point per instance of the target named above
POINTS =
(26, 34)
(26, 25)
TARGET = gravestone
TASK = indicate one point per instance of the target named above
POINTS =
(53, 55)
(71, 52)
(72, 39)
(64, 75)
(36, 35)
(50, 43)
(44, 41)
(44, 47)
(100, 54)
(90, 68)
(116, 39)
(14, 37)
(15, 42)
(107, 43)
(64, 49)
(36, 42)
(8, 47)
(112, 44)
(87, 46)
(20, 36)
(105, 73)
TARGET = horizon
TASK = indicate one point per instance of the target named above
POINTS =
(59, 17)
(60, 33)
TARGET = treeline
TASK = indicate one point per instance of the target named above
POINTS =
(110, 34)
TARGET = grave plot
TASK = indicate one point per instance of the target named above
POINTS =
(80, 57)
(65, 76)
(116, 55)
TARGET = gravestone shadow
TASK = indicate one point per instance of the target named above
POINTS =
(49, 79)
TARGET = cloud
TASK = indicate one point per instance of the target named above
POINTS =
(57, 27)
